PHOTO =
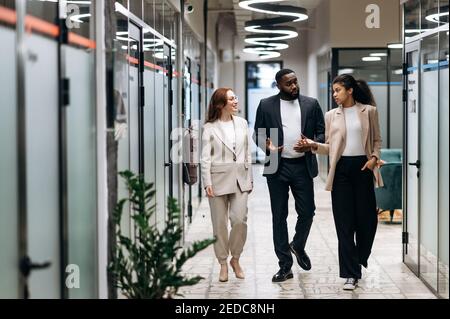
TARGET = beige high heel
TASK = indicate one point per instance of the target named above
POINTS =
(223, 276)
(237, 268)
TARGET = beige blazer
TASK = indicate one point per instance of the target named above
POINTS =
(335, 138)
(225, 169)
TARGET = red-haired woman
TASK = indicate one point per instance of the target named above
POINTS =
(227, 177)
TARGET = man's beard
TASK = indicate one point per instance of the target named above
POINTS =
(288, 96)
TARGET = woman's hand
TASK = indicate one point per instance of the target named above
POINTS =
(370, 164)
(271, 147)
(209, 191)
(380, 163)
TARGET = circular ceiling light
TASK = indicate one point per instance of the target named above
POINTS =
(265, 6)
(437, 15)
(269, 36)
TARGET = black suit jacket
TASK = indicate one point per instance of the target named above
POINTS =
(268, 115)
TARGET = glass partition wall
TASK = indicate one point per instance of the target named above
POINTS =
(50, 201)
(427, 183)
(144, 63)
(9, 254)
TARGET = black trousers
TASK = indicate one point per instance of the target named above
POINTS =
(293, 174)
(355, 214)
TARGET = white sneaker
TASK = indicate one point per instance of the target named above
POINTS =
(350, 284)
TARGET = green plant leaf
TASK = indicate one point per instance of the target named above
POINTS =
(150, 264)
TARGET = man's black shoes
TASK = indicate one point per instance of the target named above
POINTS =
(302, 258)
(282, 275)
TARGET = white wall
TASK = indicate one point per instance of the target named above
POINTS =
(318, 42)
(295, 58)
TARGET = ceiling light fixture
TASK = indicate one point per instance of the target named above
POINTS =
(395, 46)
(264, 6)
(378, 54)
(269, 37)
(371, 58)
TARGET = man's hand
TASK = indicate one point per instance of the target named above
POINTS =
(271, 147)
(305, 145)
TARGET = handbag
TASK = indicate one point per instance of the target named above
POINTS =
(190, 169)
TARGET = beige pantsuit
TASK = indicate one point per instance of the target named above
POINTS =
(228, 170)
(233, 207)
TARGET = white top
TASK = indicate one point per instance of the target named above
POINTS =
(354, 144)
(228, 129)
(291, 119)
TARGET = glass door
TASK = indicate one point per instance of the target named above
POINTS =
(129, 100)
(412, 165)
(9, 274)
(42, 226)
(443, 283)
(428, 155)
(79, 118)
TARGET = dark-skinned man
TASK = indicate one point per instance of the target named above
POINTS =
(281, 122)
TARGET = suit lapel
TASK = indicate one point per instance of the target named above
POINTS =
(221, 134)
(277, 111)
(340, 119)
(303, 111)
(364, 119)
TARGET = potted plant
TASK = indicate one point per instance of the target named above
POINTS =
(149, 264)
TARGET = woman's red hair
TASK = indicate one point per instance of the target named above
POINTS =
(218, 101)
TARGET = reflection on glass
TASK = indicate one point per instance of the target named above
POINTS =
(159, 15)
(79, 16)
(431, 15)
(11, 4)
(45, 10)
(136, 8)
(121, 102)
(412, 17)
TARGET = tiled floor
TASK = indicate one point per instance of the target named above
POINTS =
(386, 278)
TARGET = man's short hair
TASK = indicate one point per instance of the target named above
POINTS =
(282, 73)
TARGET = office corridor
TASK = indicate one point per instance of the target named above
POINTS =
(386, 278)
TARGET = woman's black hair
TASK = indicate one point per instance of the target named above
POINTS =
(361, 90)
